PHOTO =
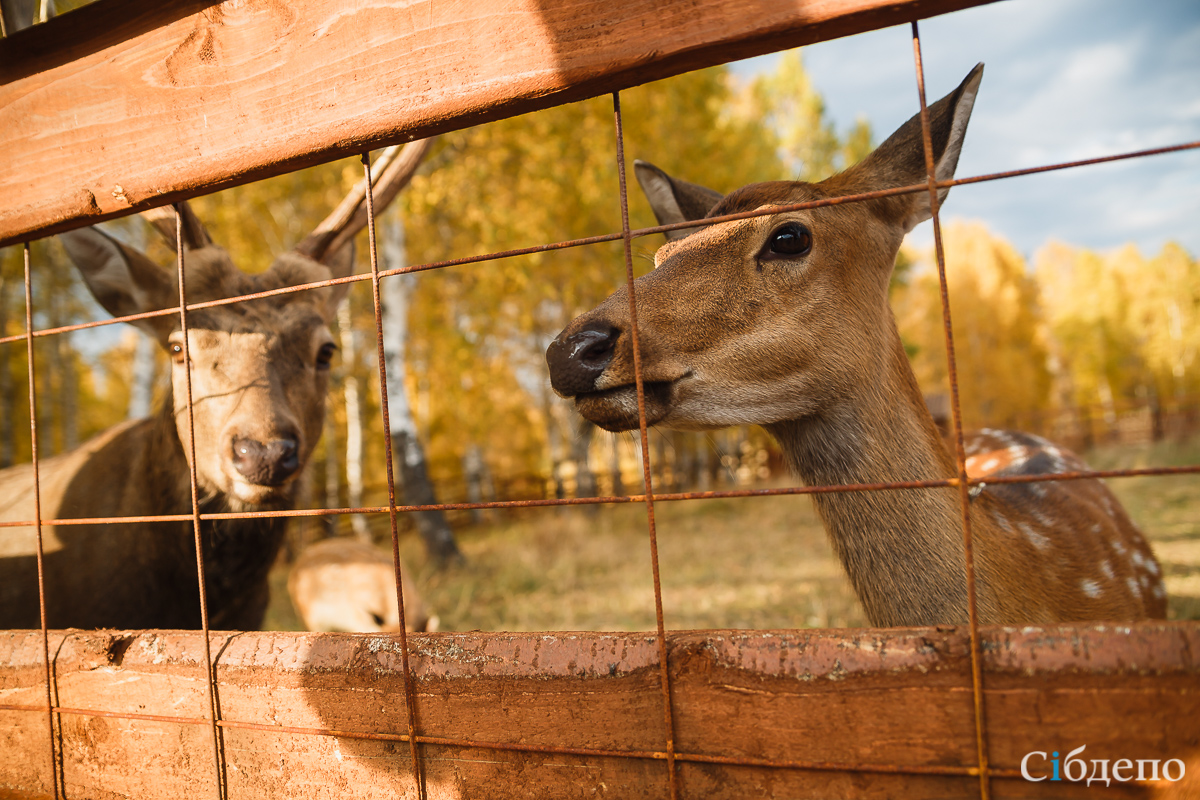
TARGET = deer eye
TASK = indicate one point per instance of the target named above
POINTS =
(176, 351)
(788, 241)
(325, 355)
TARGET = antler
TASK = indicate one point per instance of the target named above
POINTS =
(393, 170)
(195, 235)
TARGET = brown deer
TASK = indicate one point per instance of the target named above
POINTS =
(259, 371)
(783, 321)
(344, 584)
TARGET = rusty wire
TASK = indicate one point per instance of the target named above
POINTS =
(210, 670)
(37, 512)
(409, 693)
(628, 498)
(960, 454)
(636, 233)
(585, 752)
(639, 385)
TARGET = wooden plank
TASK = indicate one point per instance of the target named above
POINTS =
(129, 104)
(896, 699)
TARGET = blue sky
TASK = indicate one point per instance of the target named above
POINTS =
(1065, 80)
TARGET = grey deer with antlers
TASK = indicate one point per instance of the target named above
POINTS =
(259, 373)
(783, 320)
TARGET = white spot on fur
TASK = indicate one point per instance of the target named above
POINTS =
(1152, 566)
(1096, 528)
(1090, 587)
(1056, 457)
(990, 465)
(1134, 589)
(1159, 591)
(1036, 539)
(1118, 547)
(1003, 522)
(1107, 569)
(1137, 558)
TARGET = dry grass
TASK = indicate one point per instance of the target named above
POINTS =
(738, 563)
(1168, 510)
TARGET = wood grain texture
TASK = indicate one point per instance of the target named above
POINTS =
(889, 698)
(129, 104)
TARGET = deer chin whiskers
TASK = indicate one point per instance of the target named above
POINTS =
(616, 409)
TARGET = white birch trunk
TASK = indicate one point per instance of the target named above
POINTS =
(413, 480)
(354, 428)
(394, 294)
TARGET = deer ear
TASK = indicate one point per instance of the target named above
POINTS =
(900, 160)
(340, 265)
(674, 200)
(123, 280)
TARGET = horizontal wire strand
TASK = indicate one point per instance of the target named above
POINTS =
(610, 237)
(632, 498)
(657, 755)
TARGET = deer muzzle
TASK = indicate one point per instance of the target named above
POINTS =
(577, 360)
(266, 464)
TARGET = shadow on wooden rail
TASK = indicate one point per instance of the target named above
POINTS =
(828, 713)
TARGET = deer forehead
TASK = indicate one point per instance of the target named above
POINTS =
(212, 275)
(244, 344)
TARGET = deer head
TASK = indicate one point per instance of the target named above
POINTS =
(259, 368)
(777, 317)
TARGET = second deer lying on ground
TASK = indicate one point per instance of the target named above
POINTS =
(783, 320)
(346, 585)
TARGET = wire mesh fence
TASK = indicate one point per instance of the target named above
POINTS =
(418, 744)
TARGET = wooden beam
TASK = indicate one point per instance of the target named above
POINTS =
(897, 702)
(125, 105)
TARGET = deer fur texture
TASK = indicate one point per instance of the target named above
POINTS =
(258, 372)
(783, 321)
(258, 382)
(343, 584)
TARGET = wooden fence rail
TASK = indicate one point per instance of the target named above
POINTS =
(128, 104)
(895, 702)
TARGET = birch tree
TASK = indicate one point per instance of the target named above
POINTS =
(414, 480)
(354, 421)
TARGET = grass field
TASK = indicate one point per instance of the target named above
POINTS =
(734, 563)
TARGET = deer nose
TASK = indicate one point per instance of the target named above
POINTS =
(268, 464)
(577, 360)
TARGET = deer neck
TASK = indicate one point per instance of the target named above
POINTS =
(902, 549)
(238, 553)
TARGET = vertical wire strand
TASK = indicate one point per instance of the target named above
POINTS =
(664, 666)
(55, 754)
(956, 412)
(409, 691)
(210, 673)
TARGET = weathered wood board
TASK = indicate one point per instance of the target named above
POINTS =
(888, 699)
(128, 104)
